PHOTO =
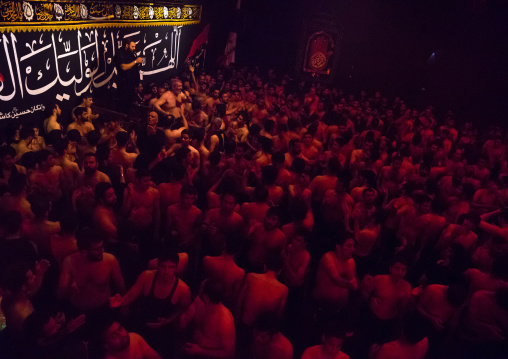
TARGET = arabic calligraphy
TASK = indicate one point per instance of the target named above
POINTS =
(11, 11)
(15, 113)
(74, 62)
(44, 12)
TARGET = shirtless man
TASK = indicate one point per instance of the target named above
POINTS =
(70, 168)
(262, 293)
(441, 304)
(391, 177)
(91, 176)
(388, 295)
(309, 150)
(19, 284)
(64, 244)
(212, 101)
(185, 143)
(7, 166)
(412, 344)
(51, 123)
(154, 287)
(336, 275)
(265, 240)
(170, 192)
(170, 103)
(412, 230)
(26, 136)
(333, 339)
(295, 150)
(39, 229)
(268, 342)
(337, 203)
(183, 220)
(224, 270)
(221, 221)
(15, 198)
(119, 344)
(141, 205)
(48, 177)
(296, 259)
(120, 156)
(87, 276)
(86, 103)
(104, 217)
(321, 184)
(80, 121)
(255, 212)
(214, 328)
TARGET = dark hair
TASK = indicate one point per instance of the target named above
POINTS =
(42, 156)
(74, 135)
(456, 294)
(12, 222)
(90, 154)
(500, 266)
(267, 322)
(101, 188)
(85, 237)
(142, 172)
(274, 262)
(122, 138)
(39, 204)
(181, 153)
(68, 222)
(501, 297)
(14, 278)
(298, 208)
(260, 193)
(213, 290)
(278, 158)
(61, 145)
(26, 132)
(214, 157)
(33, 326)
(298, 165)
(169, 254)
(413, 328)
(17, 183)
(78, 111)
(232, 244)
(188, 190)
(269, 174)
(7, 150)
(274, 212)
(93, 137)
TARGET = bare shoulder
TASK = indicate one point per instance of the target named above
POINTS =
(109, 259)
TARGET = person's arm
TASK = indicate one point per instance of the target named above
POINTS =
(493, 229)
(41, 268)
(130, 65)
(127, 200)
(214, 140)
(117, 277)
(195, 83)
(157, 105)
(331, 271)
(298, 274)
(64, 282)
(132, 294)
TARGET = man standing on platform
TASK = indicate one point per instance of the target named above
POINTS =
(128, 73)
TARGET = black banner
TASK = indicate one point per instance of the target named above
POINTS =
(38, 68)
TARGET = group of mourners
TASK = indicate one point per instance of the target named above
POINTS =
(246, 215)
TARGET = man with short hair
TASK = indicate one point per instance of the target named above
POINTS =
(120, 344)
(104, 217)
(183, 220)
(333, 340)
(170, 103)
(214, 327)
(268, 342)
(86, 277)
(7, 166)
(48, 178)
(127, 65)
(51, 123)
(80, 116)
(91, 176)
(86, 103)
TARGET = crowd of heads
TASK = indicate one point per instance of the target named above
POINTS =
(239, 214)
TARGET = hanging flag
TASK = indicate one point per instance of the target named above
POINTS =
(229, 54)
(197, 52)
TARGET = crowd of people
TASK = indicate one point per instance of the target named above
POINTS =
(246, 215)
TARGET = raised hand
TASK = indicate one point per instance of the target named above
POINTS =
(115, 301)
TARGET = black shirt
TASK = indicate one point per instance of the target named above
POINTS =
(127, 77)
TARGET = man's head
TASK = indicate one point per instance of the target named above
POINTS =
(130, 46)
(105, 194)
(227, 202)
(345, 245)
(423, 203)
(90, 164)
(122, 138)
(143, 178)
(87, 100)
(55, 110)
(176, 86)
(81, 113)
(398, 268)
(266, 326)
(397, 163)
(295, 147)
(212, 292)
(18, 278)
(115, 338)
(272, 218)
(153, 119)
(185, 138)
(333, 339)
(45, 159)
(168, 263)
(188, 196)
(90, 244)
(7, 155)
(369, 196)
(240, 150)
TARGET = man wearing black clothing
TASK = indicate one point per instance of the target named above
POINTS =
(128, 73)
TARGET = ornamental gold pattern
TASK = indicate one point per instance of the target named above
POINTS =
(32, 15)
(44, 12)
